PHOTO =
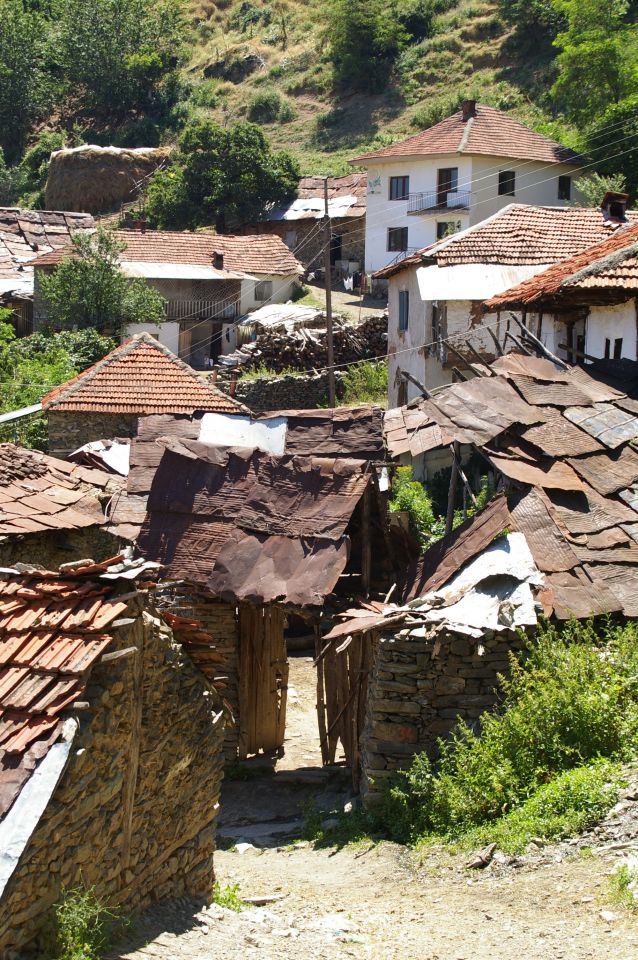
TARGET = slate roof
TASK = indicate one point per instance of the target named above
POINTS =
(262, 253)
(563, 444)
(140, 376)
(39, 493)
(52, 630)
(26, 235)
(517, 235)
(490, 132)
(610, 264)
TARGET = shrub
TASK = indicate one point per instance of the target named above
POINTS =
(83, 925)
(248, 15)
(366, 383)
(410, 496)
(264, 107)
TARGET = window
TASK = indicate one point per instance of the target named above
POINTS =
(445, 228)
(447, 181)
(263, 290)
(617, 348)
(404, 309)
(399, 188)
(506, 183)
(397, 238)
(564, 188)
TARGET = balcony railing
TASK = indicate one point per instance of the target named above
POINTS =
(200, 310)
(433, 200)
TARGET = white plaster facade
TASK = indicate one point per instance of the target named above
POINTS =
(282, 290)
(608, 332)
(477, 196)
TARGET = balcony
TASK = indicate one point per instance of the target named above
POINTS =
(201, 310)
(435, 201)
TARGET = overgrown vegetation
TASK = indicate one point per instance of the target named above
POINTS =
(83, 925)
(366, 383)
(544, 765)
(228, 897)
(624, 886)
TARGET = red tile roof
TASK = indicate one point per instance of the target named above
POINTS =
(611, 263)
(39, 493)
(52, 630)
(140, 376)
(517, 235)
(490, 132)
(262, 253)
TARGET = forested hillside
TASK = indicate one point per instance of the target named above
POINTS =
(323, 79)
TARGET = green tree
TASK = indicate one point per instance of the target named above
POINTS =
(119, 54)
(88, 289)
(22, 81)
(598, 59)
(594, 186)
(612, 141)
(222, 176)
(364, 39)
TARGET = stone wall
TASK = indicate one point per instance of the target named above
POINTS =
(134, 811)
(70, 429)
(51, 548)
(286, 392)
(420, 686)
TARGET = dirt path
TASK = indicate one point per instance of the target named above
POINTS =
(378, 903)
(349, 304)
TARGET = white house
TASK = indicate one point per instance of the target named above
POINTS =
(456, 174)
(209, 281)
(435, 297)
(584, 308)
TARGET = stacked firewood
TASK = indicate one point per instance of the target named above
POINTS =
(306, 348)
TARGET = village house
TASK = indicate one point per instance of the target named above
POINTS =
(584, 308)
(25, 236)
(209, 282)
(110, 749)
(558, 539)
(435, 296)
(108, 400)
(299, 224)
(455, 174)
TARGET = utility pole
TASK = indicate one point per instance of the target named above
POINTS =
(326, 259)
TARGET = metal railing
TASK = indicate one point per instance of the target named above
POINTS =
(439, 200)
(200, 310)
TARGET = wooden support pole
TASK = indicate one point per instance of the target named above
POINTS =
(327, 234)
(509, 335)
(454, 479)
(540, 345)
(497, 342)
(366, 540)
(417, 383)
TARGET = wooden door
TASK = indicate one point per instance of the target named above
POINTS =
(263, 679)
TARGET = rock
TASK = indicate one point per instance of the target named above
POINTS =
(482, 858)
(242, 848)
(330, 823)
(609, 916)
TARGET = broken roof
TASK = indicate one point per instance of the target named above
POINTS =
(39, 493)
(611, 264)
(261, 254)
(517, 235)
(487, 131)
(25, 236)
(571, 476)
(140, 376)
(346, 198)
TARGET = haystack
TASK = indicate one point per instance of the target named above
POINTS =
(99, 179)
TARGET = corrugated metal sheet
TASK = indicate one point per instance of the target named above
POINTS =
(606, 423)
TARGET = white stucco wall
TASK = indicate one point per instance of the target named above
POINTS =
(282, 289)
(404, 346)
(535, 183)
(167, 333)
(611, 322)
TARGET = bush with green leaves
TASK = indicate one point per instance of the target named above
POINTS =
(366, 383)
(268, 106)
(88, 289)
(569, 701)
(84, 925)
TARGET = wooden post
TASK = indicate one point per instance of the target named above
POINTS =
(454, 479)
(327, 268)
(366, 541)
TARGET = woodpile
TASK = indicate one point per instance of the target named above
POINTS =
(306, 349)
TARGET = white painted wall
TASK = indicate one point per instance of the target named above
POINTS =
(401, 344)
(167, 333)
(282, 290)
(611, 322)
(535, 183)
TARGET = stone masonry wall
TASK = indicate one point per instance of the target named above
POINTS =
(134, 811)
(420, 686)
(50, 549)
(286, 392)
(70, 429)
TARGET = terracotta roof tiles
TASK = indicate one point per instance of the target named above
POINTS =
(140, 376)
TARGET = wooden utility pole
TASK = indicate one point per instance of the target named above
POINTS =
(327, 269)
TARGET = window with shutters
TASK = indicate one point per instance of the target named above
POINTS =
(399, 188)
(404, 309)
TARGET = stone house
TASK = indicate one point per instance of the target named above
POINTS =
(300, 223)
(110, 749)
(52, 511)
(585, 307)
(139, 378)
(25, 236)
(435, 296)
(455, 174)
(208, 281)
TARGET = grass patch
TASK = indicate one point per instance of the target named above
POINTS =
(228, 897)
(366, 383)
(354, 831)
(255, 373)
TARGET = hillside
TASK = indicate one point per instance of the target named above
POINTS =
(473, 51)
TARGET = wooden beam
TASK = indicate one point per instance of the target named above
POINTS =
(540, 345)
(366, 540)
(417, 383)
(454, 479)
(517, 342)
(497, 342)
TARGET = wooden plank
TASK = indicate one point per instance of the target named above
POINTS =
(321, 703)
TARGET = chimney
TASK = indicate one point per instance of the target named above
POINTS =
(614, 206)
(218, 260)
(469, 109)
